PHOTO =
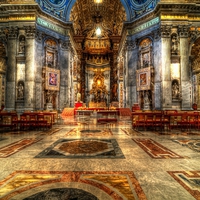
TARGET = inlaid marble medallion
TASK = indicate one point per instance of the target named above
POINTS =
(82, 148)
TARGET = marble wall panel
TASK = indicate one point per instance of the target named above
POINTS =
(186, 95)
(21, 71)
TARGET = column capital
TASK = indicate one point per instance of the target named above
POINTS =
(130, 45)
(39, 36)
(12, 32)
(165, 31)
(157, 34)
(183, 31)
(65, 45)
(30, 31)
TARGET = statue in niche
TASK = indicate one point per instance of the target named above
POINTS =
(174, 47)
(146, 98)
(22, 45)
(48, 97)
(175, 90)
(20, 91)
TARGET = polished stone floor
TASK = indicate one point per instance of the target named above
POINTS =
(83, 160)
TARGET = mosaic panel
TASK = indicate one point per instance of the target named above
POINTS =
(190, 180)
(82, 148)
(118, 185)
(155, 150)
(193, 144)
(14, 147)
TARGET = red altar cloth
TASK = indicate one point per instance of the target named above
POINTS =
(76, 106)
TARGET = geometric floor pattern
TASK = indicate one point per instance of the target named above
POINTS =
(156, 150)
(109, 161)
(190, 180)
(193, 144)
(82, 148)
(117, 185)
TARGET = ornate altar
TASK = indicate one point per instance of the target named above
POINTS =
(98, 93)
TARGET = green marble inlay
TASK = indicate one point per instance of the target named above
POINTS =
(51, 26)
(144, 26)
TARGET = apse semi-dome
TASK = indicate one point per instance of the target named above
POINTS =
(61, 9)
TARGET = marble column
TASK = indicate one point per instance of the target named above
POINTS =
(185, 70)
(11, 68)
(30, 72)
(166, 67)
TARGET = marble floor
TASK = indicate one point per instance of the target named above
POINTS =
(82, 160)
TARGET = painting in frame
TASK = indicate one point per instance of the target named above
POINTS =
(52, 79)
(143, 79)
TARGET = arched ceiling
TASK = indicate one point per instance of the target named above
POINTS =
(87, 15)
(61, 9)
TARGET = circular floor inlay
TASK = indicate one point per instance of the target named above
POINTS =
(63, 193)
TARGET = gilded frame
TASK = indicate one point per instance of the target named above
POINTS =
(52, 77)
(143, 77)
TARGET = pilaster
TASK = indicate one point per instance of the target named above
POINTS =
(166, 63)
(185, 71)
(11, 68)
(30, 68)
(132, 59)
